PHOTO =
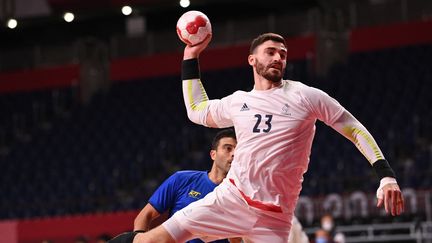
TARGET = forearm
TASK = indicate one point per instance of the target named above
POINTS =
(142, 222)
(145, 218)
(194, 95)
(352, 129)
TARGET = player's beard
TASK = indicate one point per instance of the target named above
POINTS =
(265, 72)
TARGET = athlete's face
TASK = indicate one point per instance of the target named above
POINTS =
(269, 60)
(224, 153)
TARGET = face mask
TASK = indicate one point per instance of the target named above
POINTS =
(327, 225)
(321, 240)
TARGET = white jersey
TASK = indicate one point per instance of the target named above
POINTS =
(274, 129)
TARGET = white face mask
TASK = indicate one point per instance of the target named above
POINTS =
(327, 225)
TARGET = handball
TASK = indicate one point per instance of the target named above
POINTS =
(193, 27)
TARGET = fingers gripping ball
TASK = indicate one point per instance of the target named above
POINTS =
(193, 27)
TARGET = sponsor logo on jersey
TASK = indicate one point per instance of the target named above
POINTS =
(194, 194)
(244, 107)
(286, 110)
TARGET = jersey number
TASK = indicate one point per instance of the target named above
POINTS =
(267, 122)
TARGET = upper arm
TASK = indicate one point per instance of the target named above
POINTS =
(352, 129)
(347, 125)
(219, 114)
(210, 121)
(165, 195)
(324, 107)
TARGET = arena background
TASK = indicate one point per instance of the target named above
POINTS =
(92, 117)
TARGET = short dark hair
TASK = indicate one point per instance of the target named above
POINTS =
(225, 133)
(265, 37)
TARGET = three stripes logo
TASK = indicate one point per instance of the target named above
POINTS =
(244, 107)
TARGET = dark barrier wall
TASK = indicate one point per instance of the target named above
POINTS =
(44, 78)
(388, 36)
(66, 229)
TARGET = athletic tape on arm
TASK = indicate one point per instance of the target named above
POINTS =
(194, 95)
(384, 181)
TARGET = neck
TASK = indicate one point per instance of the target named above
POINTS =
(263, 84)
(216, 175)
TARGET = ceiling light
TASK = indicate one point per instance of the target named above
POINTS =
(12, 23)
(184, 3)
(126, 10)
(68, 17)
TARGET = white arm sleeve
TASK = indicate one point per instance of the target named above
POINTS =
(351, 128)
(201, 110)
(333, 114)
(196, 101)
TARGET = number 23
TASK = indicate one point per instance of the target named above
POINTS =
(267, 122)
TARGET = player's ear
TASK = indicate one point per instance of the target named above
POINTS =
(213, 154)
(251, 59)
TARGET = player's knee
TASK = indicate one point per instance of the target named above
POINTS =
(127, 237)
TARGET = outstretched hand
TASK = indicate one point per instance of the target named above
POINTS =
(194, 51)
(392, 199)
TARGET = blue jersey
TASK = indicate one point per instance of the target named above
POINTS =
(181, 189)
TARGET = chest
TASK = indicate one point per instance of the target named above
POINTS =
(272, 113)
(192, 193)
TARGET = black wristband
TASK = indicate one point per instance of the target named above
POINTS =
(383, 169)
(139, 231)
(124, 238)
(190, 69)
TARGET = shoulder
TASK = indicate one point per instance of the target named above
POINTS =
(240, 92)
(184, 174)
(299, 86)
(305, 91)
(236, 94)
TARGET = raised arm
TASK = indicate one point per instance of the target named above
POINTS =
(194, 94)
(388, 192)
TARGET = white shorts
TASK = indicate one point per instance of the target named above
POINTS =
(224, 213)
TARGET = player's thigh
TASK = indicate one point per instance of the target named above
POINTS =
(270, 227)
(268, 235)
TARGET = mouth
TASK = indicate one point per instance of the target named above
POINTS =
(276, 66)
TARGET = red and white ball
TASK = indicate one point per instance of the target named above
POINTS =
(193, 27)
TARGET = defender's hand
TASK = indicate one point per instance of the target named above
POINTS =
(194, 51)
(392, 199)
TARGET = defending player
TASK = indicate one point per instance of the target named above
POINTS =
(185, 187)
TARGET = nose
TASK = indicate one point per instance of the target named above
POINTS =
(277, 60)
(277, 57)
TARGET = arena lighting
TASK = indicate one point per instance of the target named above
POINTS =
(12, 23)
(126, 10)
(68, 17)
(184, 3)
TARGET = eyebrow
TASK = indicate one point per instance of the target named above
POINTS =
(276, 49)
